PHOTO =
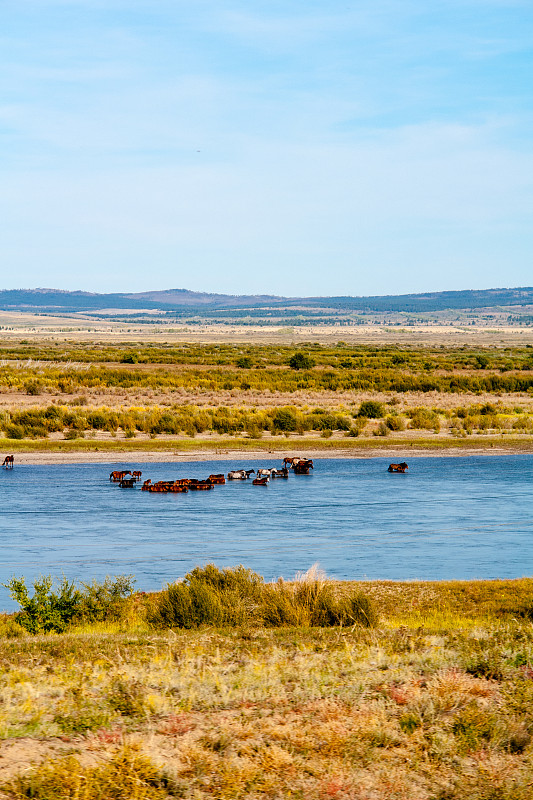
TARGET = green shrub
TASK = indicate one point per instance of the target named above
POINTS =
(130, 358)
(370, 409)
(47, 610)
(358, 609)
(33, 387)
(395, 423)
(231, 597)
(278, 608)
(14, 432)
(285, 420)
(301, 361)
(105, 600)
(208, 596)
(72, 433)
(52, 609)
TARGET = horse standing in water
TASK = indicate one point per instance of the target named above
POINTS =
(8, 462)
(401, 467)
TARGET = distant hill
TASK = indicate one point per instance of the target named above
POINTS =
(56, 300)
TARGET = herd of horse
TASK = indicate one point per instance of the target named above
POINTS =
(128, 480)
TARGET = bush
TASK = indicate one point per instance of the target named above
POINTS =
(105, 600)
(33, 387)
(301, 361)
(424, 418)
(395, 423)
(47, 610)
(209, 596)
(72, 433)
(14, 432)
(285, 420)
(381, 430)
(370, 409)
(53, 611)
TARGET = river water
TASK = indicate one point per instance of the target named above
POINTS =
(466, 517)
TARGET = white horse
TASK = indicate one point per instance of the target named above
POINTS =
(265, 473)
(240, 474)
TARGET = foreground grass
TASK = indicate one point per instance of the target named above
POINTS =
(436, 703)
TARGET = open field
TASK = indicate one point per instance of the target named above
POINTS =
(472, 330)
(435, 703)
(100, 395)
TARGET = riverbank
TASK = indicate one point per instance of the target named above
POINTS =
(84, 451)
(435, 702)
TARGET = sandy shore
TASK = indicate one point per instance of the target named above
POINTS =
(236, 456)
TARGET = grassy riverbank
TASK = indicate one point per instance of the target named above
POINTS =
(435, 703)
(235, 447)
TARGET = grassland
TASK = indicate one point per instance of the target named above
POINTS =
(434, 703)
(94, 396)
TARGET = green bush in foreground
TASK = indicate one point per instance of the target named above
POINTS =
(238, 596)
(50, 610)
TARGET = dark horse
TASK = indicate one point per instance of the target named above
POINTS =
(402, 467)
(8, 462)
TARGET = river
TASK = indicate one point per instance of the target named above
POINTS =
(467, 517)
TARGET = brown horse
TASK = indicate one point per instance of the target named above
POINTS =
(136, 475)
(178, 487)
(217, 478)
(302, 466)
(118, 475)
(289, 462)
(401, 467)
(8, 462)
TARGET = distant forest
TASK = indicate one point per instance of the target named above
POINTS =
(187, 302)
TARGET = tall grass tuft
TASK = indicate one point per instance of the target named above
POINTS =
(208, 596)
(129, 775)
(238, 596)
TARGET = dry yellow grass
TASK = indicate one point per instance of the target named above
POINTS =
(434, 705)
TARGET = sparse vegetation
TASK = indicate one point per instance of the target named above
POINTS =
(136, 392)
(433, 703)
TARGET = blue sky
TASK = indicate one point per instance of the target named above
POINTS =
(365, 147)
